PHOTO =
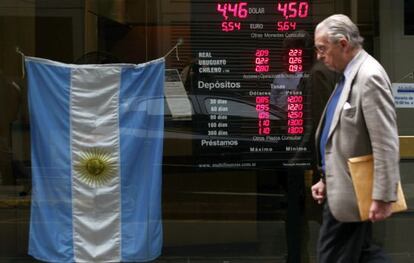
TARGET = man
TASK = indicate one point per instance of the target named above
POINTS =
(359, 119)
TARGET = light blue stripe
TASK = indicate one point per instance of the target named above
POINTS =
(141, 140)
(51, 217)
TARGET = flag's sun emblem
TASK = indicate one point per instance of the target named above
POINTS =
(95, 167)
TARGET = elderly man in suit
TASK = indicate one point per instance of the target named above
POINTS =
(359, 119)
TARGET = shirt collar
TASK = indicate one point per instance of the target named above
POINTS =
(348, 68)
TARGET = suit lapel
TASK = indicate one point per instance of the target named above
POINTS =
(346, 90)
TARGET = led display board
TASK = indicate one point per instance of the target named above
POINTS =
(250, 69)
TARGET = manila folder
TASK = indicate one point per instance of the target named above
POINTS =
(361, 169)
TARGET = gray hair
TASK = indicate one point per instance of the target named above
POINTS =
(340, 26)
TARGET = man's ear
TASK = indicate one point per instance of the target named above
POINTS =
(344, 43)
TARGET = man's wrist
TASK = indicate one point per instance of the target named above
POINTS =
(322, 174)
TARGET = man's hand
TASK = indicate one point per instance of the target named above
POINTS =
(379, 210)
(318, 191)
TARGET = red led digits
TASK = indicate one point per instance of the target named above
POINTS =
(235, 10)
(295, 130)
(286, 25)
(295, 106)
(230, 26)
(295, 60)
(291, 10)
(295, 99)
(262, 60)
(263, 108)
(295, 114)
(295, 122)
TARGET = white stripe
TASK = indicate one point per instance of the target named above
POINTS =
(94, 121)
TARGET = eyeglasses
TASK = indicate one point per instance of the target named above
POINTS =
(321, 50)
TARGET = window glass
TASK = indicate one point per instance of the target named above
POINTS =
(243, 95)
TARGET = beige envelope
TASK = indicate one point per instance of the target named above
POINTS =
(361, 169)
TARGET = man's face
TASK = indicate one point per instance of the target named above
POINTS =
(331, 54)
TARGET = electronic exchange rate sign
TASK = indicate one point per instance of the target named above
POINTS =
(251, 72)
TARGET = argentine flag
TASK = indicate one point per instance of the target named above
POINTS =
(97, 140)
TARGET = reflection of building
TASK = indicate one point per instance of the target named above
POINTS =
(283, 85)
(231, 214)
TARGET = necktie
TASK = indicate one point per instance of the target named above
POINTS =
(330, 110)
